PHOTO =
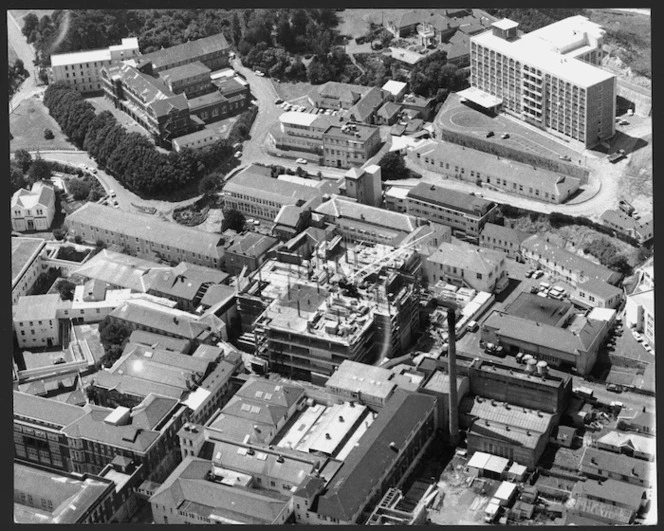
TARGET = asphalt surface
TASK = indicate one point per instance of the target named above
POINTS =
(26, 53)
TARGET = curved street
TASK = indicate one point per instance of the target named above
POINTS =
(26, 53)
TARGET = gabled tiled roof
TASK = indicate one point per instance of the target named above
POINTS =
(189, 51)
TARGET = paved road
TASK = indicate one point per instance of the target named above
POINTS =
(268, 114)
(26, 53)
(124, 197)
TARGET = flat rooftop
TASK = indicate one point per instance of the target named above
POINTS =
(546, 311)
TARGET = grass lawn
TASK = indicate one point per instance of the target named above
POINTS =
(291, 91)
(27, 124)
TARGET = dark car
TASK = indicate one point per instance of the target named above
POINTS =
(530, 273)
(614, 388)
(490, 134)
(534, 289)
(505, 135)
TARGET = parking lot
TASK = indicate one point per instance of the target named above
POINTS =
(456, 116)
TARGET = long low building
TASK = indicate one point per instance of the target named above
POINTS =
(563, 264)
(463, 212)
(574, 346)
(146, 235)
(471, 165)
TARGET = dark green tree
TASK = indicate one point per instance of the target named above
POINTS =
(23, 159)
(39, 170)
(393, 167)
(233, 219)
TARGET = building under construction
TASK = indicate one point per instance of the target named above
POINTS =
(309, 313)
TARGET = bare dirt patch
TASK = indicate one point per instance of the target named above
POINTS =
(291, 91)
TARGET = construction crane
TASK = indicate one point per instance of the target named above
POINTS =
(358, 275)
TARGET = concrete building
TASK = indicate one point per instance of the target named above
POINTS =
(611, 492)
(396, 90)
(335, 95)
(601, 465)
(299, 131)
(504, 239)
(466, 164)
(363, 223)
(247, 250)
(26, 264)
(146, 315)
(549, 392)
(257, 195)
(594, 293)
(641, 230)
(36, 322)
(547, 332)
(367, 384)
(549, 78)
(364, 185)
(640, 313)
(33, 210)
(211, 51)
(303, 329)
(468, 266)
(463, 212)
(44, 496)
(198, 492)
(350, 144)
(86, 439)
(562, 264)
(502, 429)
(396, 199)
(192, 79)
(81, 70)
(391, 447)
(146, 235)
(148, 100)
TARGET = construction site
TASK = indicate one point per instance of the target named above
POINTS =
(309, 313)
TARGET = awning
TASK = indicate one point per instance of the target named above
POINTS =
(481, 98)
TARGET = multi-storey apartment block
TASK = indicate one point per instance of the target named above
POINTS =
(349, 145)
(548, 77)
(81, 70)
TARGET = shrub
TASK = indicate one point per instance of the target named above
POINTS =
(48, 134)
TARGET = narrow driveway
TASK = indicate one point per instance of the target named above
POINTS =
(26, 53)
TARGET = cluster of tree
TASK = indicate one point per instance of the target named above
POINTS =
(275, 62)
(17, 74)
(131, 157)
(24, 171)
(44, 281)
(335, 66)
(113, 336)
(434, 73)
(530, 19)
(608, 255)
(66, 289)
(378, 70)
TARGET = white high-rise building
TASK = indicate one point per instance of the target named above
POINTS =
(81, 70)
(549, 77)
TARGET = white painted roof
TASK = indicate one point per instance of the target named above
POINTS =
(297, 118)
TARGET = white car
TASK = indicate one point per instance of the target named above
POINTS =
(111, 193)
(259, 73)
(300, 161)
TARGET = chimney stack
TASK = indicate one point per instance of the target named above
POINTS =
(453, 399)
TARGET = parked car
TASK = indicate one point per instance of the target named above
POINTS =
(490, 134)
(494, 349)
(534, 289)
(472, 326)
(259, 73)
(530, 273)
(278, 101)
(564, 157)
(301, 161)
(505, 135)
(111, 193)
(614, 388)
(539, 273)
